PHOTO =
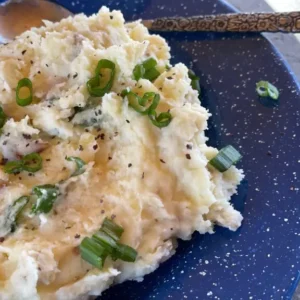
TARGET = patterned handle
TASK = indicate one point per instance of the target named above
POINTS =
(247, 22)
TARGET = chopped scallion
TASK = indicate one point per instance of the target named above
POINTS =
(266, 89)
(32, 162)
(195, 81)
(15, 211)
(79, 164)
(143, 104)
(113, 229)
(3, 117)
(95, 85)
(24, 83)
(146, 70)
(160, 121)
(106, 241)
(46, 196)
(125, 253)
(13, 167)
(92, 252)
(226, 157)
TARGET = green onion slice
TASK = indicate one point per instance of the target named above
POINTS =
(24, 83)
(46, 196)
(13, 167)
(92, 252)
(151, 74)
(32, 162)
(3, 117)
(160, 121)
(146, 70)
(195, 81)
(105, 240)
(95, 86)
(15, 211)
(226, 157)
(112, 229)
(125, 253)
(79, 164)
(142, 105)
(266, 89)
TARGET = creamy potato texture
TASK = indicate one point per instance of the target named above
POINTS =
(155, 183)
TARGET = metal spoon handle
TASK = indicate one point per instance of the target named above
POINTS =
(237, 22)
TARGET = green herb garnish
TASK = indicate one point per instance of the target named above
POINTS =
(24, 83)
(266, 89)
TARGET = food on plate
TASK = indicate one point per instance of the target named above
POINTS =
(104, 162)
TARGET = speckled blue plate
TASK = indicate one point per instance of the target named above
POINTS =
(262, 259)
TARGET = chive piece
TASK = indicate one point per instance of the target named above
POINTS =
(95, 86)
(113, 229)
(138, 72)
(125, 253)
(149, 63)
(79, 164)
(25, 82)
(46, 196)
(142, 105)
(13, 167)
(15, 211)
(195, 81)
(3, 117)
(160, 121)
(92, 252)
(226, 157)
(151, 74)
(32, 162)
(105, 240)
(146, 70)
(266, 89)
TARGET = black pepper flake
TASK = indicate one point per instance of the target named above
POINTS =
(80, 148)
(64, 169)
(2, 239)
(31, 62)
(111, 17)
(170, 77)
(143, 175)
(27, 145)
(36, 142)
(102, 211)
(86, 130)
(39, 72)
(127, 121)
(188, 156)
(20, 178)
(39, 268)
(95, 147)
(68, 227)
(102, 136)
(23, 52)
(49, 106)
(77, 236)
(123, 83)
(188, 146)
(99, 112)
(8, 134)
(30, 174)
(161, 160)
(26, 136)
(109, 158)
(140, 86)
(4, 143)
(48, 159)
(113, 216)
(171, 228)
(129, 165)
(69, 75)
(101, 200)
(47, 65)
(269, 153)
(75, 75)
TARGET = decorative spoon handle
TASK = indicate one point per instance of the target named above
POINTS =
(238, 22)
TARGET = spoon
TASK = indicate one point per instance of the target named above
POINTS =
(17, 16)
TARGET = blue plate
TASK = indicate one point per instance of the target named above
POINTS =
(262, 259)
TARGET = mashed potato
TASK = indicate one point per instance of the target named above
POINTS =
(155, 183)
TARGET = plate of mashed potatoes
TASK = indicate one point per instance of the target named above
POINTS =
(105, 161)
